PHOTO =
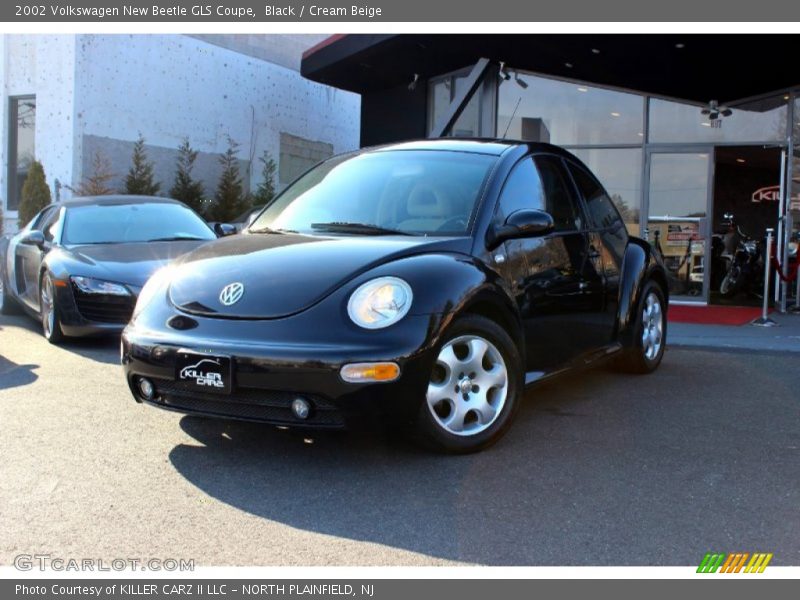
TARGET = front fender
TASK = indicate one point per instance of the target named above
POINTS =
(58, 263)
(449, 285)
(639, 265)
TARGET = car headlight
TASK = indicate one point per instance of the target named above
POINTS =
(150, 289)
(97, 286)
(380, 302)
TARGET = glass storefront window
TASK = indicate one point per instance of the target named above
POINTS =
(438, 99)
(567, 113)
(620, 172)
(469, 121)
(676, 122)
(22, 112)
(472, 120)
(678, 196)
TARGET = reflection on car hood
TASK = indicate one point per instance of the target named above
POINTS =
(132, 263)
(283, 274)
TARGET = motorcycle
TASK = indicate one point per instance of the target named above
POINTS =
(746, 269)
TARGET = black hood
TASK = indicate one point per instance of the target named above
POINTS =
(283, 274)
(132, 264)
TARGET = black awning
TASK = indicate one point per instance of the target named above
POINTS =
(697, 67)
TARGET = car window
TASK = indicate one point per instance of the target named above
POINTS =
(601, 209)
(135, 222)
(48, 224)
(522, 189)
(412, 191)
(36, 221)
(559, 194)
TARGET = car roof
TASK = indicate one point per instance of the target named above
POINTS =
(116, 200)
(493, 146)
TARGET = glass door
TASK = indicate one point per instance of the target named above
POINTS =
(678, 204)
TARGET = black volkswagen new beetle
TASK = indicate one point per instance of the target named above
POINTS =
(430, 281)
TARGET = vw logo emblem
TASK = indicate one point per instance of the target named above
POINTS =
(231, 293)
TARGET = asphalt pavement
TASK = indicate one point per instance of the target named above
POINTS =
(599, 469)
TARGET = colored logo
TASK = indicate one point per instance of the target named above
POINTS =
(737, 562)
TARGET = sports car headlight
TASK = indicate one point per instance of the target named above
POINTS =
(150, 289)
(97, 286)
(380, 302)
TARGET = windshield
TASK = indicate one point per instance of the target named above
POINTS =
(125, 223)
(413, 192)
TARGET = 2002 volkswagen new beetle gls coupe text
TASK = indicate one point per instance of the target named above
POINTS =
(429, 281)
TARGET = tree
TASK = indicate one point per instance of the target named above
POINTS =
(140, 177)
(185, 188)
(629, 215)
(266, 189)
(35, 193)
(229, 199)
(97, 183)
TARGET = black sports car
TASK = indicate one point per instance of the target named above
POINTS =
(79, 266)
(429, 280)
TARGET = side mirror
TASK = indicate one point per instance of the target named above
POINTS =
(224, 229)
(524, 223)
(33, 238)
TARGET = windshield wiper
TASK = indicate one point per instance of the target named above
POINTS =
(361, 228)
(179, 238)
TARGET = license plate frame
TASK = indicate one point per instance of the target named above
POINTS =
(204, 373)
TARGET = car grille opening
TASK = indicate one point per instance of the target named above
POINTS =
(250, 404)
(104, 308)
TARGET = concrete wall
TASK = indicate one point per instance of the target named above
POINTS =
(167, 87)
(298, 155)
(44, 66)
(99, 92)
(285, 50)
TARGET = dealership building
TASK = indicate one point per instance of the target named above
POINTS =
(70, 98)
(681, 129)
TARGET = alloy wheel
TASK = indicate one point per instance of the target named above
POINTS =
(468, 387)
(48, 307)
(652, 326)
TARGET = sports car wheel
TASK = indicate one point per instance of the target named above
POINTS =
(474, 388)
(650, 333)
(48, 309)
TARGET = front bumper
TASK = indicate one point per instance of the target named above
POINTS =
(275, 362)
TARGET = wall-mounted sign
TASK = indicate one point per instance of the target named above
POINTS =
(680, 233)
(770, 193)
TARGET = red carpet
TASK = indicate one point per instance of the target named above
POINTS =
(713, 315)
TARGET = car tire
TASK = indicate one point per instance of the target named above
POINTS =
(48, 311)
(645, 351)
(475, 388)
(8, 306)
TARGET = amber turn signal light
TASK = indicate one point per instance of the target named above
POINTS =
(363, 372)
